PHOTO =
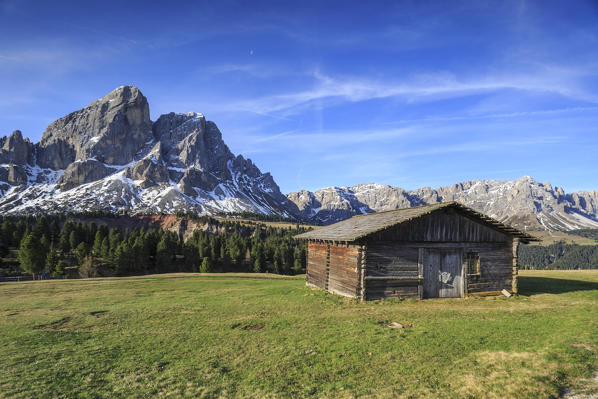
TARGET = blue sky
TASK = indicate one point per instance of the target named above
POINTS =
(321, 93)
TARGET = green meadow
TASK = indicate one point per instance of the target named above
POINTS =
(260, 335)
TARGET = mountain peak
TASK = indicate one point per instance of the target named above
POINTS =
(111, 130)
(523, 203)
(110, 156)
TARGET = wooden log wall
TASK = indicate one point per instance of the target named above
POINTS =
(391, 271)
(394, 270)
(334, 268)
(515, 269)
(344, 270)
(317, 257)
(444, 225)
(496, 270)
(389, 263)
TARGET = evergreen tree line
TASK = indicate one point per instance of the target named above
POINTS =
(587, 233)
(559, 255)
(54, 245)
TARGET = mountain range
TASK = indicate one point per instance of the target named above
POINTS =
(110, 156)
(523, 203)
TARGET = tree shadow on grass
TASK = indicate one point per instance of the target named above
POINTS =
(545, 285)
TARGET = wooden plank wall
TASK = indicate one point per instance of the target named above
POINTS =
(378, 289)
(344, 271)
(444, 225)
(360, 270)
(496, 267)
(396, 260)
(317, 254)
(390, 260)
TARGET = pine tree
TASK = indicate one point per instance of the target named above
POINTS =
(60, 268)
(74, 239)
(97, 243)
(206, 265)
(141, 255)
(81, 252)
(31, 256)
(277, 260)
(8, 229)
(191, 257)
(105, 253)
(165, 253)
(297, 260)
(54, 230)
(63, 241)
(258, 261)
(121, 258)
(45, 243)
(297, 266)
(52, 259)
(114, 238)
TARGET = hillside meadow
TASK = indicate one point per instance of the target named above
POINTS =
(251, 335)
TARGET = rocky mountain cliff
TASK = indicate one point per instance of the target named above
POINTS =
(111, 156)
(523, 203)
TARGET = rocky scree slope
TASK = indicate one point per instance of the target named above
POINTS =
(110, 156)
(523, 203)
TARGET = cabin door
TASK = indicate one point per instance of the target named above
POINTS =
(443, 277)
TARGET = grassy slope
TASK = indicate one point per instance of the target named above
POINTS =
(550, 237)
(251, 335)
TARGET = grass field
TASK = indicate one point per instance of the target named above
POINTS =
(550, 237)
(247, 335)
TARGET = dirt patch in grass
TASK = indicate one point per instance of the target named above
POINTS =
(242, 326)
(587, 389)
(509, 375)
(585, 346)
(58, 325)
(99, 313)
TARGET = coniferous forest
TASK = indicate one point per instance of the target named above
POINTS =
(558, 255)
(59, 246)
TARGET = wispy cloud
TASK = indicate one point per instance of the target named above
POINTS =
(504, 115)
(318, 141)
(328, 90)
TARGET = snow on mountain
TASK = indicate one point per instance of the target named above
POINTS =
(110, 156)
(524, 203)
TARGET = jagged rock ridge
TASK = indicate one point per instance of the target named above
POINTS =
(111, 156)
(524, 203)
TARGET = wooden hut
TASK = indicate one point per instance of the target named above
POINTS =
(441, 250)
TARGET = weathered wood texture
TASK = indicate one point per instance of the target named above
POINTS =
(443, 273)
(496, 271)
(444, 225)
(390, 259)
(317, 254)
(515, 270)
(401, 260)
(377, 289)
(334, 268)
(343, 278)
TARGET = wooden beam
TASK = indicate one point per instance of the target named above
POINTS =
(393, 278)
(420, 273)
(514, 284)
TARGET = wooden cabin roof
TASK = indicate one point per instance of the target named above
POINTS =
(363, 225)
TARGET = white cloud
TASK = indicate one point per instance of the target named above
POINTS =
(424, 87)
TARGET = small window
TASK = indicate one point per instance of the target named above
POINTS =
(473, 263)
